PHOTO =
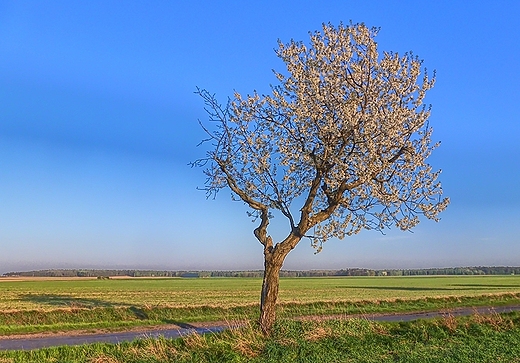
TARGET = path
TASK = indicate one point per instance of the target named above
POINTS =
(29, 343)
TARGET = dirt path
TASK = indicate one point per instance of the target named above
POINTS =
(29, 342)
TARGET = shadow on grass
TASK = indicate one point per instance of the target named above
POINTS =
(69, 301)
(139, 313)
(180, 324)
(65, 301)
(143, 315)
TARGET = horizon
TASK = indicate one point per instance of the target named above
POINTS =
(99, 123)
(258, 270)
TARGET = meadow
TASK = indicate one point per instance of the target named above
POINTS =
(41, 305)
(88, 305)
(49, 294)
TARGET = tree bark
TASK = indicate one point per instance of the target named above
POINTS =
(269, 295)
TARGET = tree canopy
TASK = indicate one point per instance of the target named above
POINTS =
(340, 144)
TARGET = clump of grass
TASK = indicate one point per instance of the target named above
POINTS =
(498, 322)
(158, 348)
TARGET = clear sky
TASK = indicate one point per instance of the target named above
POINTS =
(98, 121)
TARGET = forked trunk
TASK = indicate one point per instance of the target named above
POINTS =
(269, 293)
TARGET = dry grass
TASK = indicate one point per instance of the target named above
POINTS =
(195, 341)
(248, 340)
(450, 322)
(497, 321)
(104, 358)
(317, 333)
(31, 278)
(379, 328)
(157, 348)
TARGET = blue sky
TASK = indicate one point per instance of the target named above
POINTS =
(98, 121)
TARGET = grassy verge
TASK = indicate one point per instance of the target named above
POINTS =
(494, 338)
(121, 318)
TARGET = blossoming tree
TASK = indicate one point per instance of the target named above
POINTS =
(339, 146)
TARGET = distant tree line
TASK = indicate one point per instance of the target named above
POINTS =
(480, 270)
(99, 273)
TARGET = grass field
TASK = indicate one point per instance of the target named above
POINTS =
(38, 306)
(43, 306)
(177, 292)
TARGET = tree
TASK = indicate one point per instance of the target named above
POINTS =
(339, 146)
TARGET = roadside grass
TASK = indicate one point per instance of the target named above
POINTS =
(97, 319)
(478, 338)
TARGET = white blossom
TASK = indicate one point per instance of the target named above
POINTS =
(345, 131)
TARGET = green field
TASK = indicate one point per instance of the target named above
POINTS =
(217, 292)
(37, 306)
(44, 306)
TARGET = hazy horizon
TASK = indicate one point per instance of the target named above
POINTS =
(227, 270)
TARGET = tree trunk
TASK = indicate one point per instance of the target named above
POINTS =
(269, 294)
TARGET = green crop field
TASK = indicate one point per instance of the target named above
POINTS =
(177, 292)
(46, 305)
